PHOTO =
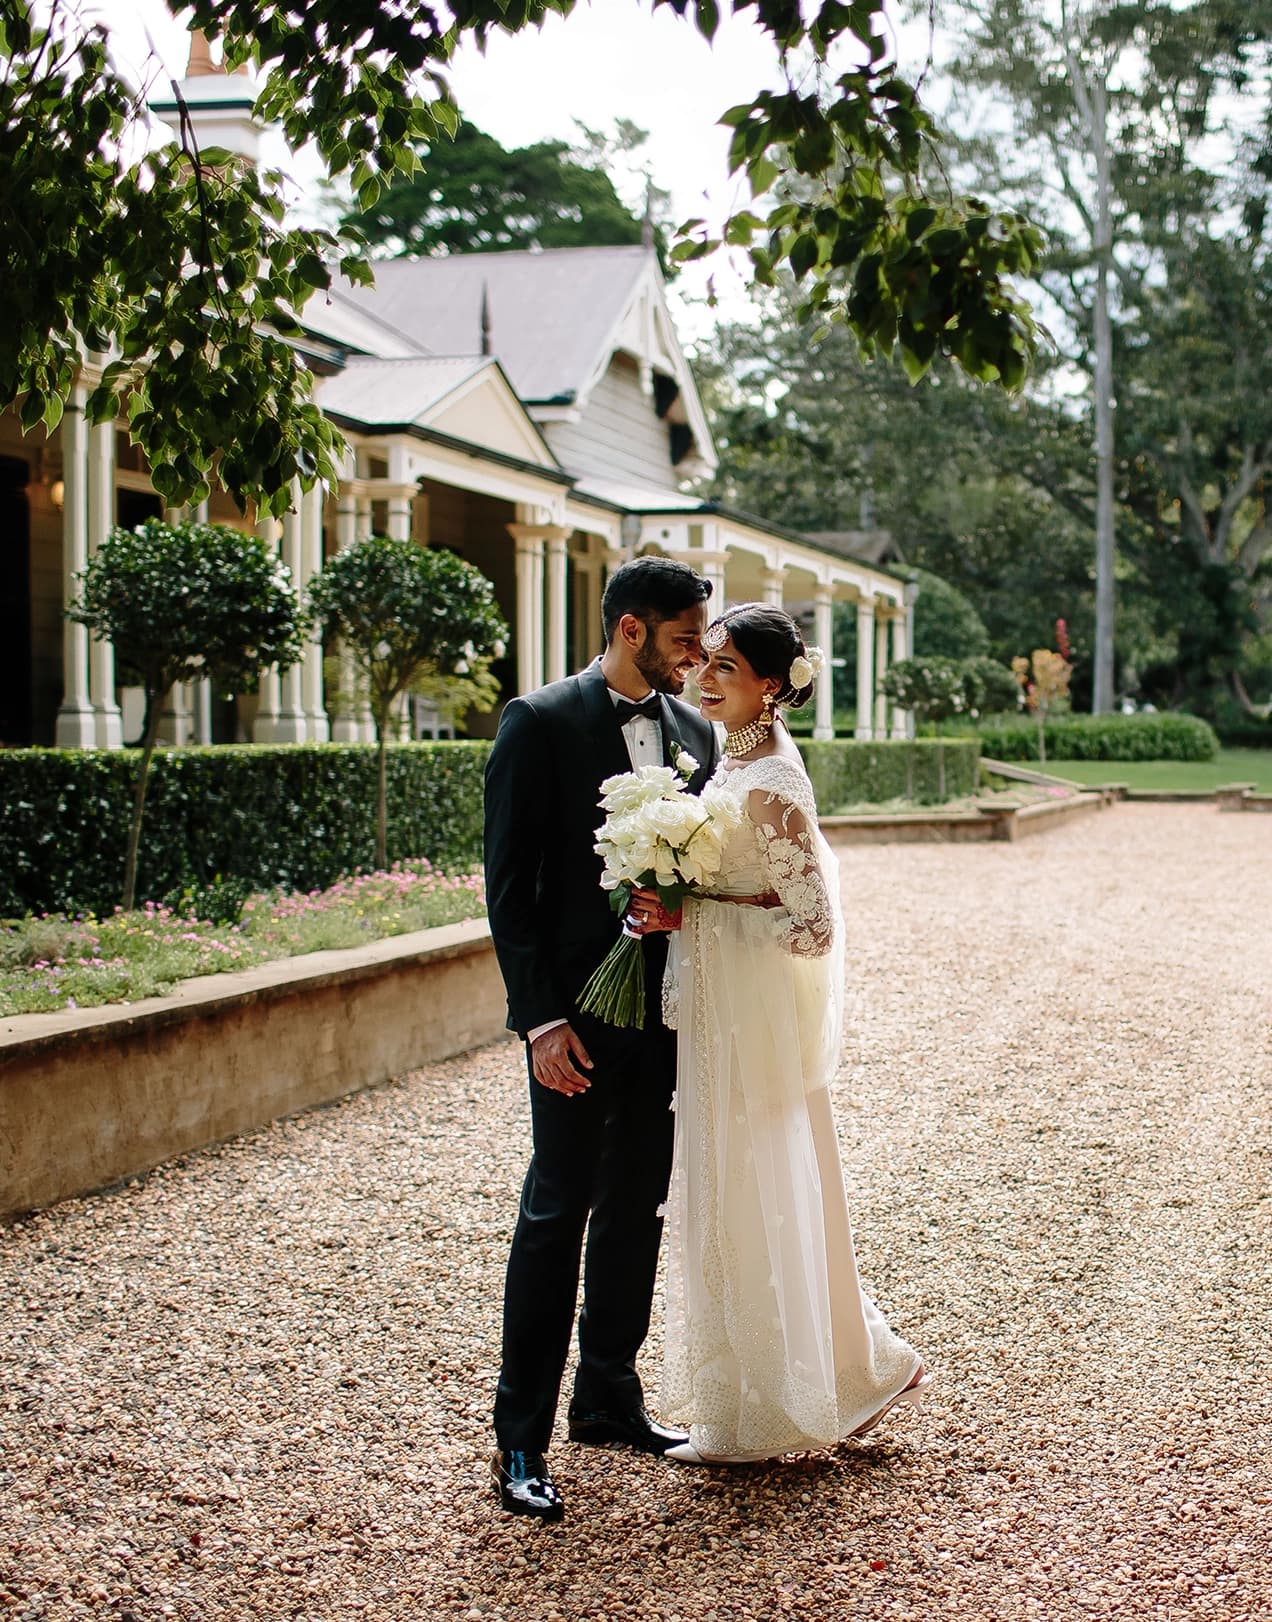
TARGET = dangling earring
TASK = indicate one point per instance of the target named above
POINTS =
(753, 734)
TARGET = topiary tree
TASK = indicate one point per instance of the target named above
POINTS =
(946, 622)
(182, 602)
(403, 611)
(934, 689)
(991, 688)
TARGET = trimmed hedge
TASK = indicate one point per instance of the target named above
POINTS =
(850, 771)
(1249, 734)
(295, 815)
(1106, 737)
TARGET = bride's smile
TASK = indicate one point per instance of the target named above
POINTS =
(729, 691)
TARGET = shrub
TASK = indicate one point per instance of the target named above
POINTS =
(933, 689)
(1106, 737)
(991, 688)
(404, 611)
(180, 602)
(297, 816)
(946, 623)
(925, 770)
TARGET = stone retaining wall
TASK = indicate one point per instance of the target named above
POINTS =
(90, 1096)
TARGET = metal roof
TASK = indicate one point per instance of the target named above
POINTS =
(551, 314)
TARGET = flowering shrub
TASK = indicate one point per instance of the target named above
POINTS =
(1045, 676)
(58, 962)
(933, 689)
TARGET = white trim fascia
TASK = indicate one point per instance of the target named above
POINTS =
(463, 472)
(481, 379)
(649, 284)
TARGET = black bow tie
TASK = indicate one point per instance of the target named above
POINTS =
(650, 708)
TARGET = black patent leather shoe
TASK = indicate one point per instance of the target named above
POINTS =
(635, 1427)
(525, 1485)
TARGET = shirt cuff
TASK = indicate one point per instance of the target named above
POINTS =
(540, 1030)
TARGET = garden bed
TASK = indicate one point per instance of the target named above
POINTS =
(91, 1096)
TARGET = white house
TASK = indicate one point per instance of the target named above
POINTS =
(532, 411)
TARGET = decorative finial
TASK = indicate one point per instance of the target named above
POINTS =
(647, 224)
(486, 347)
(200, 65)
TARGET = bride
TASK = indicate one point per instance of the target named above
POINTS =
(772, 1345)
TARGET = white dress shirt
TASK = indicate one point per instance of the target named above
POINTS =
(643, 738)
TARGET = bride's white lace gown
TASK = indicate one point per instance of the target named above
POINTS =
(771, 1343)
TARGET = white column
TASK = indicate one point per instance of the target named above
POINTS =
(201, 691)
(774, 587)
(865, 666)
(400, 493)
(175, 724)
(108, 730)
(291, 709)
(76, 722)
(265, 726)
(900, 651)
(317, 726)
(824, 637)
(529, 539)
(345, 725)
(911, 596)
(881, 670)
(557, 654)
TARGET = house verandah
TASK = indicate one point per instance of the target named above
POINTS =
(545, 538)
(532, 411)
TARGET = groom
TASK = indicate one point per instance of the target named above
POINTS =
(600, 1097)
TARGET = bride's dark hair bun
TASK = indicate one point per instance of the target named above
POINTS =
(770, 642)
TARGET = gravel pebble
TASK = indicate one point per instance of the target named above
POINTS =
(256, 1383)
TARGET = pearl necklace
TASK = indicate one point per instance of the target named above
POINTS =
(748, 737)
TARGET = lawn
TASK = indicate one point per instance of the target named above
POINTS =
(1231, 766)
(58, 962)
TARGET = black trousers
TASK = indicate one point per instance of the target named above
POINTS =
(601, 1163)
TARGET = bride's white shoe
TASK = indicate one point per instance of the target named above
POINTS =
(911, 1397)
(687, 1453)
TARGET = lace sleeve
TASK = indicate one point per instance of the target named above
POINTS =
(790, 857)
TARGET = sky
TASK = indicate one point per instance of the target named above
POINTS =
(611, 59)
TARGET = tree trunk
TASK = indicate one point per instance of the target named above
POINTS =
(149, 733)
(381, 796)
(1105, 542)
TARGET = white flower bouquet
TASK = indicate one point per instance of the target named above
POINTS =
(656, 836)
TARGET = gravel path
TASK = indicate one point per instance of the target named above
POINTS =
(255, 1384)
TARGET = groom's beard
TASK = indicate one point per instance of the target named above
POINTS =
(662, 671)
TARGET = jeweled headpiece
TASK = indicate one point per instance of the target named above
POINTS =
(715, 636)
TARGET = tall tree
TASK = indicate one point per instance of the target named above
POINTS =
(993, 494)
(1108, 100)
(179, 262)
(471, 195)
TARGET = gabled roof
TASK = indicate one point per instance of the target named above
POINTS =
(466, 397)
(551, 313)
(357, 328)
(377, 392)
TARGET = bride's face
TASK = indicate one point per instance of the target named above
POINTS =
(729, 690)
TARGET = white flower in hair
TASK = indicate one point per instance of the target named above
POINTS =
(805, 666)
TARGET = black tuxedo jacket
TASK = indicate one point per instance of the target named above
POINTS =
(550, 920)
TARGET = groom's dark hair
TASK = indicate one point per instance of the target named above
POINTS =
(653, 589)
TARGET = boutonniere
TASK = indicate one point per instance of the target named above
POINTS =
(682, 761)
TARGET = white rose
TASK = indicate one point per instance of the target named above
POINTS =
(684, 762)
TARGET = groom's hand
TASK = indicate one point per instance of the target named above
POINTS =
(554, 1057)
